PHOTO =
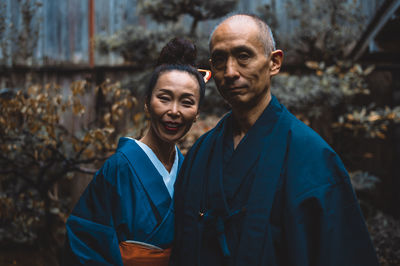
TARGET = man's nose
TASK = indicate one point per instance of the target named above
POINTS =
(231, 69)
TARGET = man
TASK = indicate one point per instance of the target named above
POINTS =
(262, 188)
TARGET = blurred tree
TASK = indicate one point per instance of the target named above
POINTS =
(138, 45)
(162, 11)
(38, 150)
(324, 30)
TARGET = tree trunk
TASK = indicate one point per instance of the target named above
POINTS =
(194, 27)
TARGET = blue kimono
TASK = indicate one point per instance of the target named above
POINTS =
(282, 197)
(126, 200)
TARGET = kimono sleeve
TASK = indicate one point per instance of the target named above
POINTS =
(324, 224)
(91, 238)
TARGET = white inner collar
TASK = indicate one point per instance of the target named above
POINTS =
(168, 177)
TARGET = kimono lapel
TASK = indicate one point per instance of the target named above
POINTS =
(215, 195)
(247, 153)
(147, 174)
(237, 172)
(263, 192)
(244, 157)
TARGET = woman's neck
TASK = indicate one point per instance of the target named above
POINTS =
(165, 151)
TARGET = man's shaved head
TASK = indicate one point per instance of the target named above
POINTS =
(265, 33)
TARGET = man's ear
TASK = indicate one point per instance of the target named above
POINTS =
(276, 59)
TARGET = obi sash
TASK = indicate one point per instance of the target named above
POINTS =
(141, 254)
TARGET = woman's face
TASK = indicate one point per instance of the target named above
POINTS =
(174, 105)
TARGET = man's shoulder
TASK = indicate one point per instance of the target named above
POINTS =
(310, 160)
(301, 135)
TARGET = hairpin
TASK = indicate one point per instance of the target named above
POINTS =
(206, 74)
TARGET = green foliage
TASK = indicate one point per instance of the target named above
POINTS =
(38, 150)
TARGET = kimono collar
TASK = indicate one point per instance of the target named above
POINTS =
(148, 175)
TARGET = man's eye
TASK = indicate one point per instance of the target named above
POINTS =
(243, 56)
(218, 61)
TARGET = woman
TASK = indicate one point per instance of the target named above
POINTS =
(125, 215)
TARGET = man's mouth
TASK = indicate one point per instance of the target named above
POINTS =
(234, 90)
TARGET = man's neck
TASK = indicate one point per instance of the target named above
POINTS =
(245, 118)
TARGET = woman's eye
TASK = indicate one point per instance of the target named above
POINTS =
(187, 103)
(163, 98)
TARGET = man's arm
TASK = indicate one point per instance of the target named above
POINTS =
(323, 222)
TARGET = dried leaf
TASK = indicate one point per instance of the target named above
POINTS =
(98, 135)
(373, 118)
(312, 64)
(87, 138)
(380, 135)
(368, 155)
(369, 70)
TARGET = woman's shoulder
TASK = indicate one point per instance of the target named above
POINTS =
(112, 167)
(118, 164)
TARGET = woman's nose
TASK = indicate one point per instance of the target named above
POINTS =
(174, 109)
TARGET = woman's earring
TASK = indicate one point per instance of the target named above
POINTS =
(195, 118)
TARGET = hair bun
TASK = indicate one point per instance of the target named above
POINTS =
(178, 51)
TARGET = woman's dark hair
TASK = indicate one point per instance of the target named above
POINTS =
(178, 51)
(178, 54)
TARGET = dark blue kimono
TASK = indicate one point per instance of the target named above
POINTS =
(282, 197)
(126, 200)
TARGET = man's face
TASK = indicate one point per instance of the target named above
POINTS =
(240, 67)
